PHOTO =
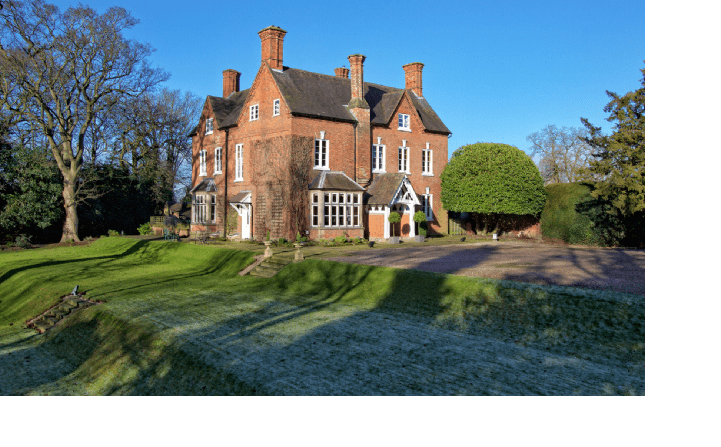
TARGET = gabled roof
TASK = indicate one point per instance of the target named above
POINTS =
(207, 185)
(383, 188)
(241, 197)
(226, 110)
(335, 180)
(315, 94)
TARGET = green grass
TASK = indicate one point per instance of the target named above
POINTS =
(165, 303)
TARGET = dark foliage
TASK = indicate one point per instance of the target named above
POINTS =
(123, 203)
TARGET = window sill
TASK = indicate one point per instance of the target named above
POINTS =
(404, 129)
(428, 174)
(378, 172)
(218, 173)
(321, 168)
(209, 133)
(238, 179)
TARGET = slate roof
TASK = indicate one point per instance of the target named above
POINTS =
(319, 95)
(207, 185)
(226, 110)
(383, 188)
(336, 180)
(238, 198)
(315, 94)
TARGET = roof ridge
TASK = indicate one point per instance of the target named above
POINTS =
(340, 78)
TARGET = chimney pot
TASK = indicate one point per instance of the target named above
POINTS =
(271, 46)
(342, 72)
(231, 82)
(414, 78)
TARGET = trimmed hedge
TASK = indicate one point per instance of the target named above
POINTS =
(560, 220)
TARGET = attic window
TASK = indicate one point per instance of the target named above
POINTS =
(209, 126)
(404, 122)
(276, 107)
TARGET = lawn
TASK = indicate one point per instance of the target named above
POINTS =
(177, 319)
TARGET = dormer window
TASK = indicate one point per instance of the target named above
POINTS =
(404, 122)
(254, 112)
(209, 126)
(276, 107)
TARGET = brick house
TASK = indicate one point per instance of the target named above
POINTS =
(320, 154)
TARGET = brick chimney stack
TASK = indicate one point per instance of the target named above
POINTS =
(342, 72)
(414, 78)
(271, 46)
(362, 113)
(356, 82)
(231, 82)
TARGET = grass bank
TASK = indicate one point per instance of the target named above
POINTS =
(177, 319)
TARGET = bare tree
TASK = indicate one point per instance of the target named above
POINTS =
(61, 70)
(562, 153)
(150, 138)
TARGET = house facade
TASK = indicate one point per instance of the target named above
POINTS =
(323, 155)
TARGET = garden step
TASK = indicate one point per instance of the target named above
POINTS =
(58, 313)
(65, 307)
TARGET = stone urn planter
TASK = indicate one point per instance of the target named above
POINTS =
(394, 239)
(268, 252)
(298, 254)
(420, 238)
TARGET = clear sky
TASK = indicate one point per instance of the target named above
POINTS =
(495, 71)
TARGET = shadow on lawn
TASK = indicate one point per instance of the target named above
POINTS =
(388, 346)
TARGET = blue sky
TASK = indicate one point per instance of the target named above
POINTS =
(494, 71)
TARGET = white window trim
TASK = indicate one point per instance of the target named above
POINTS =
(429, 163)
(406, 121)
(218, 161)
(405, 150)
(239, 162)
(428, 199)
(213, 209)
(209, 125)
(256, 115)
(203, 168)
(199, 206)
(382, 158)
(322, 167)
(276, 107)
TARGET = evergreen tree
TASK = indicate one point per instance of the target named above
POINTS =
(620, 158)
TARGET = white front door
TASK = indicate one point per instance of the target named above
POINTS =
(245, 221)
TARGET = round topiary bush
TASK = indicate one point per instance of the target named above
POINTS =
(492, 178)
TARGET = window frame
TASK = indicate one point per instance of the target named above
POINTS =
(403, 158)
(209, 126)
(427, 205)
(404, 122)
(199, 208)
(276, 107)
(239, 162)
(318, 160)
(427, 161)
(213, 209)
(378, 154)
(254, 112)
(203, 165)
(218, 166)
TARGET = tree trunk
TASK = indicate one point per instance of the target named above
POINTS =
(70, 227)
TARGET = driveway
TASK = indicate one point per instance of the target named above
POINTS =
(621, 270)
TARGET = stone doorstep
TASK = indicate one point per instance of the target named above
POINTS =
(56, 313)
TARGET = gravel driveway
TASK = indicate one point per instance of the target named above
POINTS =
(621, 270)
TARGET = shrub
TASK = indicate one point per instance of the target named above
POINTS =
(560, 219)
(145, 229)
(297, 237)
(393, 218)
(23, 241)
(281, 241)
(339, 240)
(358, 240)
(491, 178)
(420, 218)
(113, 233)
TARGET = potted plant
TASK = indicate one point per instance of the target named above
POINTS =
(420, 218)
(394, 218)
